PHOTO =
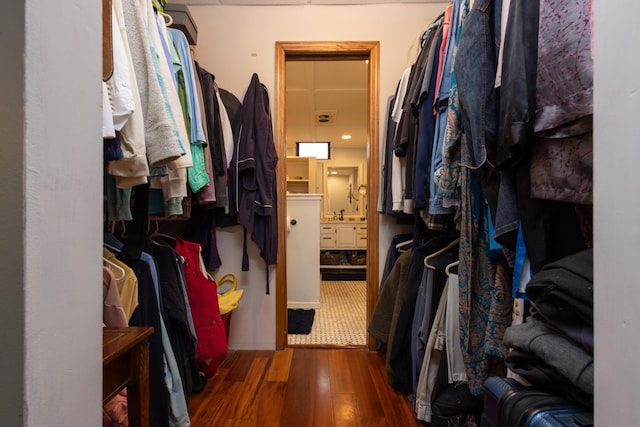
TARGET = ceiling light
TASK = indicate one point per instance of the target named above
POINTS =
(346, 136)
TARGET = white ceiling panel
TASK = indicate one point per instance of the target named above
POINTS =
(337, 88)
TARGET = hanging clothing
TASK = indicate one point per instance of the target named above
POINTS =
(132, 169)
(485, 302)
(424, 99)
(127, 286)
(253, 175)
(175, 316)
(167, 396)
(562, 160)
(431, 362)
(148, 314)
(112, 311)
(385, 314)
(203, 299)
(160, 140)
(201, 228)
(400, 353)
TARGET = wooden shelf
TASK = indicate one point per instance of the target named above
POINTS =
(301, 174)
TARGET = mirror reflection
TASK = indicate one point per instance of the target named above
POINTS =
(341, 192)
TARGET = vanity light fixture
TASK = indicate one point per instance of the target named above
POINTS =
(345, 136)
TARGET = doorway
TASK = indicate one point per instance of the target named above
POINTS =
(328, 51)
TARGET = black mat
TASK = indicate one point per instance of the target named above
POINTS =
(300, 321)
(344, 275)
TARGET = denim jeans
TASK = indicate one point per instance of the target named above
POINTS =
(475, 71)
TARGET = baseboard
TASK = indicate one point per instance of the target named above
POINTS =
(303, 304)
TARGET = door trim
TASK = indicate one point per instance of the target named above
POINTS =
(318, 51)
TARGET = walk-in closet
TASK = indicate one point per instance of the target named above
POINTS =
(496, 187)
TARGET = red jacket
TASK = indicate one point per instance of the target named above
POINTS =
(203, 300)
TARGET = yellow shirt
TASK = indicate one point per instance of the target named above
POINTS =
(127, 285)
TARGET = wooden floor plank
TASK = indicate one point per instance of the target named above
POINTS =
(308, 398)
(397, 408)
(345, 410)
(301, 387)
(368, 400)
(280, 365)
(238, 363)
(267, 410)
(250, 386)
(228, 401)
(341, 373)
(201, 402)
(323, 408)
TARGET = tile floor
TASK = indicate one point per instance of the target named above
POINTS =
(341, 318)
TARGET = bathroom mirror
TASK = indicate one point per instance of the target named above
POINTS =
(341, 190)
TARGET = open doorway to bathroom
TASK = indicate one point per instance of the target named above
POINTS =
(348, 251)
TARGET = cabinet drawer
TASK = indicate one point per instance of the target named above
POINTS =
(327, 242)
(327, 229)
(361, 242)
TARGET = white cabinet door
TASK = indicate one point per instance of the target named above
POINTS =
(346, 236)
(303, 251)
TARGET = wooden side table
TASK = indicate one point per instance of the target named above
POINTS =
(125, 363)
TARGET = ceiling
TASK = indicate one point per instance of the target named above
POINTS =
(325, 100)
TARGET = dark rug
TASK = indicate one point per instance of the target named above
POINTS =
(300, 321)
(344, 275)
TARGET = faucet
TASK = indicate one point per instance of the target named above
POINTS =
(341, 217)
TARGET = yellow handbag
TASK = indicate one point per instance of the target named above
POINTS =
(228, 300)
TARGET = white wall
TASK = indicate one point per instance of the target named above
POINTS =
(236, 41)
(616, 213)
(50, 215)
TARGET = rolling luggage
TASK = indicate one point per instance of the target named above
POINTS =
(496, 391)
(511, 404)
(561, 417)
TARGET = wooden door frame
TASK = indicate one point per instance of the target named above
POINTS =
(318, 51)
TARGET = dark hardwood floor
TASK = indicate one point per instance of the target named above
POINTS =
(301, 387)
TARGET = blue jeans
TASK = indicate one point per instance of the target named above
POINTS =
(475, 70)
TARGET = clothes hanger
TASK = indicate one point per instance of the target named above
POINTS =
(111, 248)
(441, 251)
(168, 18)
(156, 232)
(117, 267)
(448, 268)
(405, 243)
